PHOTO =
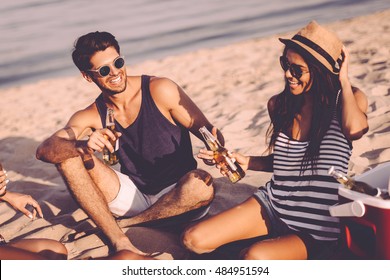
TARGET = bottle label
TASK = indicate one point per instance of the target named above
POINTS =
(231, 164)
(116, 148)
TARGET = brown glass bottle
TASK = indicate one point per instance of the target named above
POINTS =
(221, 155)
(354, 185)
(108, 157)
(4, 190)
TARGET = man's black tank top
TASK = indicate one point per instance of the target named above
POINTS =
(153, 152)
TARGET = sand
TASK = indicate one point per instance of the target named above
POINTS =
(231, 84)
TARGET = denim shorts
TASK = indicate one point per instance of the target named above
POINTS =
(316, 249)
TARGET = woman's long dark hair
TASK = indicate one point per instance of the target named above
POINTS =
(324, 89)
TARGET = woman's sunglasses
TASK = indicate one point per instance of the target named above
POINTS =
(104, 70)
(295, 70)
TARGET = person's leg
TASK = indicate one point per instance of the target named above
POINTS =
(125, 255)
(38, 249)
(193, 191)
(246, 220)
(289, 247)
(93, 185)
(10, 253)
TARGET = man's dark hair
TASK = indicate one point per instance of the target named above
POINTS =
(87, 45)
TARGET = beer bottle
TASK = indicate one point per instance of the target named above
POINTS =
(108, 157)
(354, 185)
(221, 156)
(4, 189)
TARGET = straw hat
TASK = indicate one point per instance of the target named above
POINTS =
(320, 43)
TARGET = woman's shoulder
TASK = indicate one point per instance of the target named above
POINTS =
(271, 104)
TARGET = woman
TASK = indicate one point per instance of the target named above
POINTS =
(313, 122)
(26, 249)
(40, 248)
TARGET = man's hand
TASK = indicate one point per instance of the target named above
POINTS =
(100, 138)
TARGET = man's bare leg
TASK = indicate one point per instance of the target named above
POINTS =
(192, 191)
(92, 199)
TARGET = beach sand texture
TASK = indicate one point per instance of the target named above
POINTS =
(231, 84)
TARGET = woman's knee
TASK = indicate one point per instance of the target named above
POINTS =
(194, 241)
(254, 253)
(54, 250)
(47, 248)
(263, 250)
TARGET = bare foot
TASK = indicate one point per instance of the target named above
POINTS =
(126, 255)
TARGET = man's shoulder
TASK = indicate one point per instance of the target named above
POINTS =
(158, 82)
(164, 91)
(87, 114)
(162, 86)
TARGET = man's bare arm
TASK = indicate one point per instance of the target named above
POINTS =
(66, 142)
(57, 148)
(177, 105)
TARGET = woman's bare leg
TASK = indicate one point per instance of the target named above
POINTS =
(243, 221)
(289, 247)
(33, 249)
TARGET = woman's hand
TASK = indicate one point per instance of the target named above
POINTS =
(19, 202)
(208, 156)
(3, 182)
(343, 75)
(242, 160)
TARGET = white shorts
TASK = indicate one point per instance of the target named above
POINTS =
(130, 201)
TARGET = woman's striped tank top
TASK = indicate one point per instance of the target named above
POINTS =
(303, 199)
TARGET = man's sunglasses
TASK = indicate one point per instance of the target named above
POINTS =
(295, 70)
(104, 70)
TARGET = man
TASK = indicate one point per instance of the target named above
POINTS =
(153, 117)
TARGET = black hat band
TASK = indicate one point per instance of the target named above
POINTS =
(319, 50)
